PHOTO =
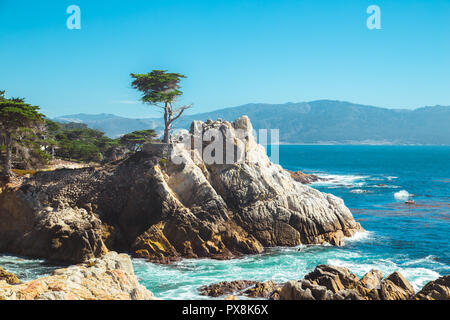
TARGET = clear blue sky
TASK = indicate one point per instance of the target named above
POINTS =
(233, 52)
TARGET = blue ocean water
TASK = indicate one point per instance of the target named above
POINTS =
(409, 239)
(374, 182)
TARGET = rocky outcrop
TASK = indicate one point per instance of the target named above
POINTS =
(160, 210)
(304, 177)
(252, 289)
(226, 288)
(438, 289)
(338, 283)
(110, 277)
(334, 283)
(9, 277)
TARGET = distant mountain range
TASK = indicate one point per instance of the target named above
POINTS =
(322, 121)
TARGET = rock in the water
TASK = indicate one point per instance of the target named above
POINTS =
(338, 283)
(9, 277)
(160, 210)
(226, 288)
(304, 177)
(438, 289)
(334, 283)
(110, 277)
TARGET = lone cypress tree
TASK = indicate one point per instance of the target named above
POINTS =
(160, 88)
(15, 114)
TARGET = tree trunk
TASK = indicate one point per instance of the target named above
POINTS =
(167, 122)
(8, 159)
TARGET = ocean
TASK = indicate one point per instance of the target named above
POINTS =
(375, 182)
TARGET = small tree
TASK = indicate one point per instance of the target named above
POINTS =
(15, 114)
(161, 89)
(134, 140)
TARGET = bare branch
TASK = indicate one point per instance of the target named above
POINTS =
(179, 111)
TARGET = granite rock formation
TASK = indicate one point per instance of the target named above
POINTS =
(438, 289)
(110, 277)
(156, 209)
(333, 283)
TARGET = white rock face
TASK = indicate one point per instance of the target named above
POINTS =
(262, 196)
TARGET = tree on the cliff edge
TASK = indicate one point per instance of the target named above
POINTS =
(160, 88)
(136, 139)
(15, 114)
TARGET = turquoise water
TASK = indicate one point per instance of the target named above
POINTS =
(373, 181)
(413, 240)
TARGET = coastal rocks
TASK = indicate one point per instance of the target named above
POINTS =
(252, 289)
(338, 283)
(110, 277)
(161, 209)
(9, 277)
(438, 289)
(225, 288)
(332, 283)
(68, 234)
(305, 178)
(333, 278)
(396, 287)
(372, 279)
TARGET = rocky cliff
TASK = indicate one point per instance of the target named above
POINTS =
(110, 277)
(157, 209)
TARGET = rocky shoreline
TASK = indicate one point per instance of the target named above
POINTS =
(156, 209)
(332, 283)
(161, 211)
(110, 277)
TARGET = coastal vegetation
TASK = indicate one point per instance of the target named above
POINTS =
(161, 89)
(29, 140)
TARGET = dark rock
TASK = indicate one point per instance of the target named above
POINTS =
(438, 289)
(226, 288)
(9, 277)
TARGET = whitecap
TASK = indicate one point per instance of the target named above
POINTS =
(360, 236)
(348, 181)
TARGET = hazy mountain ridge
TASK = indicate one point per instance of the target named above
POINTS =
(322, 121)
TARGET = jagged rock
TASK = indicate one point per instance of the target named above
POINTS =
(263, 290)
(338, 283)
(68, 234)
(396, 287)
(305, 178)
(334, 283)
(333, 278)
(226, 287)
(9, 277)
(110, 277)
(161, 210)
(438, 289)
(293, 290)
(372, 279)
(400, 281)
(347, 294)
